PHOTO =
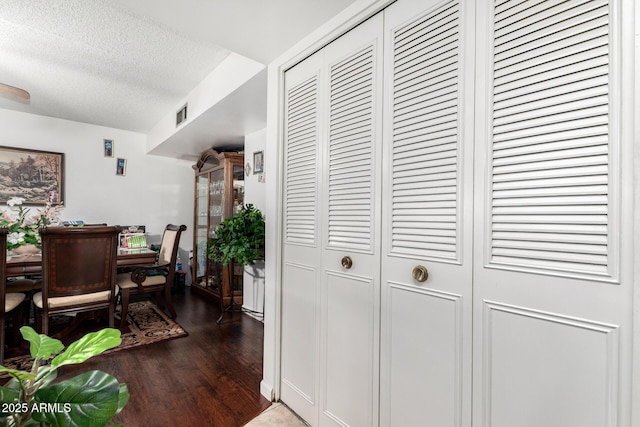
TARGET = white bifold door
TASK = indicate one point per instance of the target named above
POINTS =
(553, 299)
(457, 216)
(427, 214)
(353, 244)
(331, 274)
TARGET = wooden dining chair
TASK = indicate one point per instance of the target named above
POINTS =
(78, 272)
(156, 278)
(9, 302)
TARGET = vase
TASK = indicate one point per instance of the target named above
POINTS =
(26, 249)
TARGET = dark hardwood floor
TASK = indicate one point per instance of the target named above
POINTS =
(210, 378)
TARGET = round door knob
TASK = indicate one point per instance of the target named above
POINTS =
(420, 273)
(346, 262)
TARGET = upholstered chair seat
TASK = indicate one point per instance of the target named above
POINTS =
(124, 281)
(74, 300)
(13, 300)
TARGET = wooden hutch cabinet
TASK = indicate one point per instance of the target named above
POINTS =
(219, 193)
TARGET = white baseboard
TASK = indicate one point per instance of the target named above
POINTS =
(267, 391)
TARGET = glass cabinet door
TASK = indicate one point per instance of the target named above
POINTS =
(238, 188)
(216, 215)
(202, 202)
(216, 199)
(238, 202)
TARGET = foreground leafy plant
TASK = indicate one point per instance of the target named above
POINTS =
(89, 399)
(239, 238)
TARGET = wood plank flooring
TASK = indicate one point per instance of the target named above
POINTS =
(210, 378)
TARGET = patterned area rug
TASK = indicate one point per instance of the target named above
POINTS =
(146, 324)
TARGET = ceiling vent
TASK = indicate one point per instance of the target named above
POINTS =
(181, 115)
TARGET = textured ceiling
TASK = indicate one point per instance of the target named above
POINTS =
(126, 64)
(89, 61)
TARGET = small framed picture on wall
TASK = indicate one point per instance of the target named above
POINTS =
(121, 167)
(108, 147)
(258, 162)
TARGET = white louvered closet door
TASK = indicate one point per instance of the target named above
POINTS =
(552, 308)
(350, 297)
(302, 239)
(330, 308)
(427, 214)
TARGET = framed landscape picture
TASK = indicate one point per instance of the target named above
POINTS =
(36, 176)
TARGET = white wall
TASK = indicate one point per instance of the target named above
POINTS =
(154, 192)
(254, 193)
(232, 73)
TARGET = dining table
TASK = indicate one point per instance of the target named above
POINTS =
(31, 264)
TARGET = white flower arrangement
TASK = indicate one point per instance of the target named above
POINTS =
(22, 227)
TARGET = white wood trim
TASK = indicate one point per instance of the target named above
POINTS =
(355, 14)
(274, 245)
(631, 10)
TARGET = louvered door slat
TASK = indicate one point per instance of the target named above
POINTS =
(555, 15)
(548, 191)
(301, 156)
(515, 6)
(546, 84)
(425, 135)
(350, 146)
(439, 188)
(423, 71)
(546, 245)
(591, 239)
(536, 101)
(550, 153)
(444, 13)
(512, 150)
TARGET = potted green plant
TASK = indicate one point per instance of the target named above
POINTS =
(92, 398)
(239, 238)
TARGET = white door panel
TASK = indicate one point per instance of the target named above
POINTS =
(330, 338)
(562, 360)
(301, 274)
(350, 348)
(351, 290)
(424, 357)
(299, 338)
(552, 312)
(427, 214)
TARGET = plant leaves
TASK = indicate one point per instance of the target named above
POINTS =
(238, 238)
(45, 376)
(123, 397)
(42, 347)
(88, 346)
(17, 374)
(89, 399)
(8, 395)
